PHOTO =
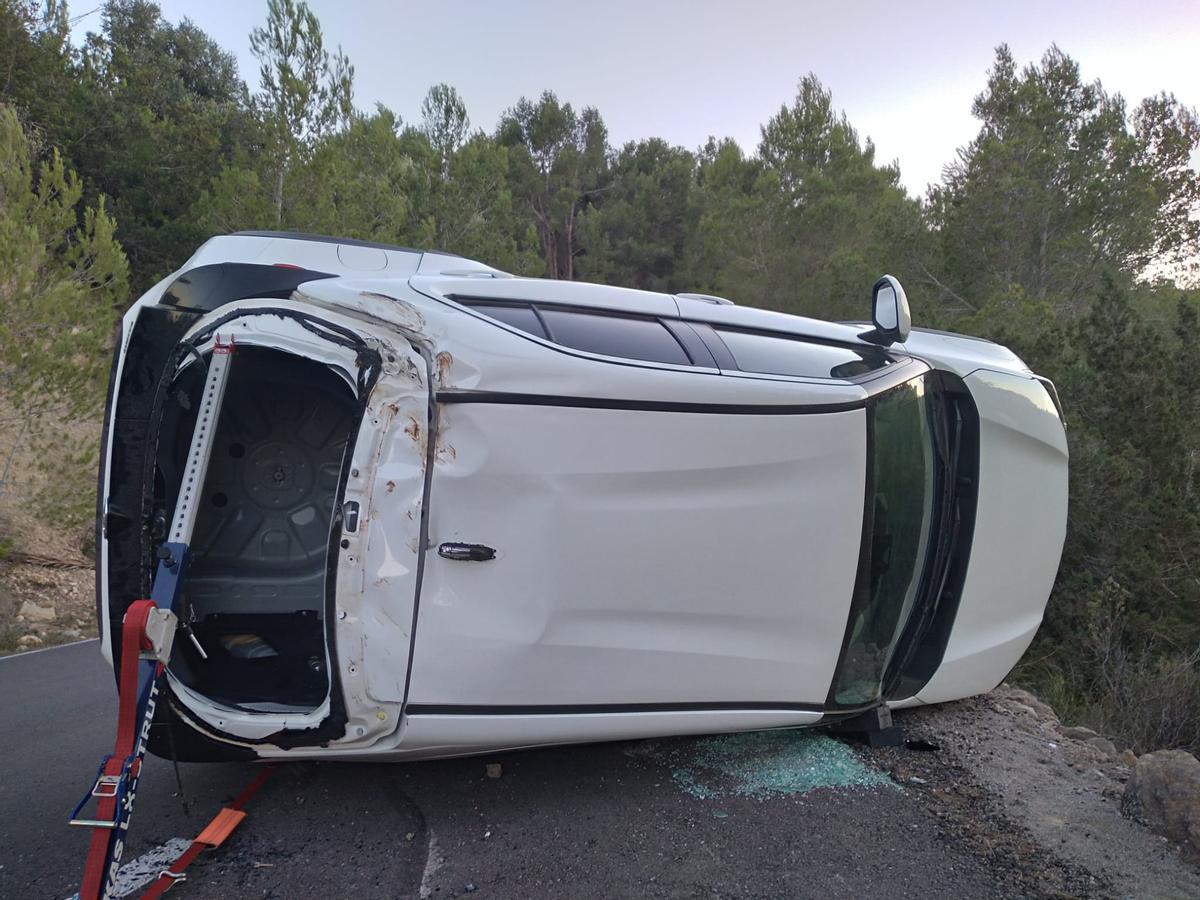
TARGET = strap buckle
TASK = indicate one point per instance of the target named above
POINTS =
(105, 787)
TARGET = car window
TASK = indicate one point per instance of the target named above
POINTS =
(789, 356)
(631, 338)
(522, 317)
(625, 336)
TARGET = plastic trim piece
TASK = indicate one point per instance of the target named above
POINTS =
(674, 406)
(206, 288)
(456, 709)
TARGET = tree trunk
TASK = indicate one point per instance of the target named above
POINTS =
(1040, 293)
(278, 198)
(546, 233)
(567, 266)
(551, 252)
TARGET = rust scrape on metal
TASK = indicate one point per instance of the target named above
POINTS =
(408, 315)
(444, 362)
(443, 450)
(413, 429)
(391, 486)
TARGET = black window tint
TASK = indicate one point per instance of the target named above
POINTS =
(615, 336)
(522, 317)
(786, 356)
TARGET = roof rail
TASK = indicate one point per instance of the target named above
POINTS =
(708, 298)
(326, 239)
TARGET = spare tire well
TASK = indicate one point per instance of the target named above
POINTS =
(256, 589)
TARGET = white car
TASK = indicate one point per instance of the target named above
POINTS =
(450, 511)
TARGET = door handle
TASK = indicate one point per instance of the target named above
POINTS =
(466, 552)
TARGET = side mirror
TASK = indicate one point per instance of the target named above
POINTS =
(889, 313)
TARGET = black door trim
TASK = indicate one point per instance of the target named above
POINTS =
(672, 406)
(466, 709)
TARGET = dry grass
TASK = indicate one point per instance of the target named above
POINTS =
(47, 482)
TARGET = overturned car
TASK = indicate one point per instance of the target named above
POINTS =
(443, 510)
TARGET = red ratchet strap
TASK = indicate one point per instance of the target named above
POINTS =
(213, 835)
(147, 634)
(119, 773)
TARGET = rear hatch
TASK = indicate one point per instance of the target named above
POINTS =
(280, 531)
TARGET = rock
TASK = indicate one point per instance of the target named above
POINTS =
(31, 612)
(494, 770)
(86, 539)
(1049, 730)
(1127, 758)
(29, 641)
(1164, 792)
(1022, 697)
(1022, 710)
(1104, 745)
(1078, 733)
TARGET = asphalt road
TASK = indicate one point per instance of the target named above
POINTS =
(670, 818)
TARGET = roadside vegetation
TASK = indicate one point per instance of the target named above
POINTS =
(1069, 229)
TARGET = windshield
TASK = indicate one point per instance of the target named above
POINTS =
(901, 486)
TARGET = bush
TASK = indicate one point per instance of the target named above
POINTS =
(1138, 690)
(1120, 645)
(64, 282)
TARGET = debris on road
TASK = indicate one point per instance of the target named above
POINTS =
(761, 764)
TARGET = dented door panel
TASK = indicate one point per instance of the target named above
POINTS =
(642, 557)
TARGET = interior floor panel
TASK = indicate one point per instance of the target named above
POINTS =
(260, 659)
(261, 542)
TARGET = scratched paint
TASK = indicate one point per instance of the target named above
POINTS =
(763, 764)
(444, 363)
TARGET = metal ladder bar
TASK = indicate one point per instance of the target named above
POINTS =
(200, 452)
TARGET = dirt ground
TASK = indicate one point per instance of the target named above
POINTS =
(42, 605)
(1006, 782)
(47, 585)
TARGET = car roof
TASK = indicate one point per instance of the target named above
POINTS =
(446, 275)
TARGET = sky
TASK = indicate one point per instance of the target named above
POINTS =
(904, 72)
